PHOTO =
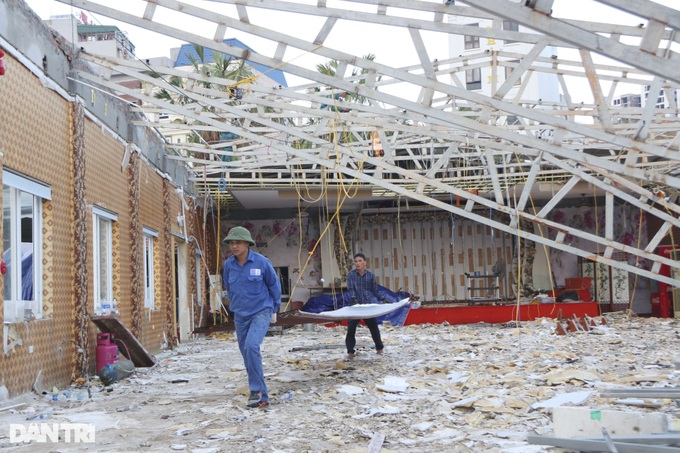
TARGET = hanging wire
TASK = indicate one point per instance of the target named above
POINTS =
(345, 191)
(545, 247)
(519, 277)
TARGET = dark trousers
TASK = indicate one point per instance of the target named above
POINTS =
(350, 339)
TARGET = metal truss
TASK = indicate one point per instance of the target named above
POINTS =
(445, 142)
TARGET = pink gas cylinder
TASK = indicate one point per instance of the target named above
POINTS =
(107, 351)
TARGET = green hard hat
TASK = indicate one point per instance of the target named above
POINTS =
(239, 234)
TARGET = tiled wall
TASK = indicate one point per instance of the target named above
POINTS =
(38, 128)
(35, 126)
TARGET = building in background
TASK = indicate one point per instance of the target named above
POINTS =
(106, 40)
(628, 100)
(667, 98)
(490, 62)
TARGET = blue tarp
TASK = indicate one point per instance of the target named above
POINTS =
(26, 271)
(328, 302)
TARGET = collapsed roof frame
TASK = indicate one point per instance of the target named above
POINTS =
(628, 155)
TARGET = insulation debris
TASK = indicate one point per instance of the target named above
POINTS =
(452, 388)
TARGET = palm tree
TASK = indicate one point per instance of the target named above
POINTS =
(330, 68)
(223, 67)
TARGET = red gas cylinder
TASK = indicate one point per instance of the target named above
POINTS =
(107, 352)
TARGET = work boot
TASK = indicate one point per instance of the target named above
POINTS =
(255, 400)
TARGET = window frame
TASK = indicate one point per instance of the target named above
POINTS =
(508, 72)
(16, 309)
(510, 25)
(471, 41)
(150, 237)
(472, 82)
(103, 217)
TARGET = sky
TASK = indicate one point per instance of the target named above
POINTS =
(346, 36)
(350, 37)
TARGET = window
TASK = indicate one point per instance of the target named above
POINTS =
(472, 41)
(508, 72)
(102, 241)
(150, 237)
(22, 200)
(473, 79)
(510, 26)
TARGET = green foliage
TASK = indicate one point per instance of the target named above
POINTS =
(222, 67)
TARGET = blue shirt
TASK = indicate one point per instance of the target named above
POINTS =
(252, 287)
(363, 287)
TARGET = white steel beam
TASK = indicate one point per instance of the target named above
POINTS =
(449, 141)
(634, 56)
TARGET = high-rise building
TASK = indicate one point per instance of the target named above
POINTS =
(492, 61)
(666, 99)
(628, 100)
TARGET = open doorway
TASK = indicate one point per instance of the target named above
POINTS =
(282, 273)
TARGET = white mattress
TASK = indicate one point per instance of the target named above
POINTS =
(359, 311)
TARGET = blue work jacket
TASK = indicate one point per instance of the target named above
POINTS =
(252, 287)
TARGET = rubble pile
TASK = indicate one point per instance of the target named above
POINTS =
(448, 388)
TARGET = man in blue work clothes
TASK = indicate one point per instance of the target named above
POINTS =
(362, 289)
(254, 292)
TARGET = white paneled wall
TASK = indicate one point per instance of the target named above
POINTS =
(428, 257)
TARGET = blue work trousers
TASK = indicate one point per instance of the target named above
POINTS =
(250, 332)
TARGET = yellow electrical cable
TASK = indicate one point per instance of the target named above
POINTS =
(310, 198)
(300, 212)
(282, 230)
(322, 195)
(310, 253)
(545, 247)
(519, 273)
(322, 235)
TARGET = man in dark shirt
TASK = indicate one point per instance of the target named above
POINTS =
(362, 289)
